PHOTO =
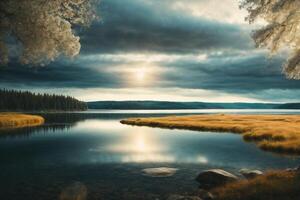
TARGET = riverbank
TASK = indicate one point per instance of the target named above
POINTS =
(277, 185)
(15, 120)
(276, 133)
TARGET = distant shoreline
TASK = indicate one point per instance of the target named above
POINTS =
(275, 133)
(18, 120)
(173, 105)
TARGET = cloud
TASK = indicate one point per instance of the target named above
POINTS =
(166, 49)
(143, 25)
(159, 94)
(227, 10)
(239, 73)
(234, 72)
(58, 74)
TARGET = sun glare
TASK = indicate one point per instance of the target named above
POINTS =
(140, 74)
(140, 144)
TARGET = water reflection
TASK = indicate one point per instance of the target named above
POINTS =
(107, 159)
(31, 131)
(138, 142)
(135, 145)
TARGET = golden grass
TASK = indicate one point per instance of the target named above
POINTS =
(13, 120)
(277, 185)
(277, 133)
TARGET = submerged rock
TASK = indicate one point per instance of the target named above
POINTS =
(214, 178)
(75, 191)
(159, 172)
(179, 197)
(249, 174)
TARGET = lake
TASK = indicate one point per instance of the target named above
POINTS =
(92, 150)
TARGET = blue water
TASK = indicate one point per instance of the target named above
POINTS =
(107, 157)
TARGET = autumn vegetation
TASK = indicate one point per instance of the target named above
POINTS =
(13, 120)
(276, 185)
(282, 30)
(43, 30)
(277, 133)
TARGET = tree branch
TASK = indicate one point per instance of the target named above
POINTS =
(4, 12)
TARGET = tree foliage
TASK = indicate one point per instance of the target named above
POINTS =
(282, 29)
(12, 100)
(43, 28)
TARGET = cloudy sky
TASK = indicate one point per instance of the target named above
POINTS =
(176, 50)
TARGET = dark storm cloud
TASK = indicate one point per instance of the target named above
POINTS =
(126, 26)
(131, 26)
(143, 25)
(58, 74)
(232, 73)
(238, 74)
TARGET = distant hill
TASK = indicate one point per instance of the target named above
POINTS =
(165, 105)
(289, 106)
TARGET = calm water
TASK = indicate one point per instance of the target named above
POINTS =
(106, 157)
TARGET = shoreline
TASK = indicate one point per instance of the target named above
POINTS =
(18, 120)
(275, 133)
(275, 185)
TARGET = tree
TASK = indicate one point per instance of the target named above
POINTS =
(44, 29)
(282, 29)
(13, 100)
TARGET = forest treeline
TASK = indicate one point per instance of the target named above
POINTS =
(13, 100)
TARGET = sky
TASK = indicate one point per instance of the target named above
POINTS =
(170, 50)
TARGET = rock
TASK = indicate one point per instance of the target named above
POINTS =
(296, 169)
(179, 197)
(249, 174)
(76, 191)
(291, 169)
(215, 177)
(205, 195)
(159, 172)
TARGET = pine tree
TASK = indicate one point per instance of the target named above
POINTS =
(12, 100)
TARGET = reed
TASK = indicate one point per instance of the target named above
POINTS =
(276, 185)
(277, 133)
(14, 120)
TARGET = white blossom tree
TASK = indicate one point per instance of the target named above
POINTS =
(282, 29)
(43, 29)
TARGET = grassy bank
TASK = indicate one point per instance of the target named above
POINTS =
(13, 120)
(277, 133)
(279, 185)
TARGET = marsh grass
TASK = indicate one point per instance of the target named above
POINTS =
(277, 133)
(13, 120)
(276, 185)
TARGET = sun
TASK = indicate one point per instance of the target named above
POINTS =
(140, 74)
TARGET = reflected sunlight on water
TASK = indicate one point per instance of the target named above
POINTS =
(138, 142)
(93, 153)
(98, 126)
(139, 145)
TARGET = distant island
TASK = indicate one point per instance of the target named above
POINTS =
(13, 100)
(168, 105)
